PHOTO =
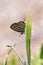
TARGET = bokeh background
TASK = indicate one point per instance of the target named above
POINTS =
(13, 11)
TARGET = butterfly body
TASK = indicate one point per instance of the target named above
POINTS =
(19, 27)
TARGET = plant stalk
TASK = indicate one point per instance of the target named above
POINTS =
(21, 59)
(28, 39)
(6, 57)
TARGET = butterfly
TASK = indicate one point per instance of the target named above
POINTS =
(18, 27)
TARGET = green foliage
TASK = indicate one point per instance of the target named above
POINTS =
(41, 52)
(13, 61)
(36, 60)
(28, 38)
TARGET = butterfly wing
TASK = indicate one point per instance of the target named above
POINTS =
(14, 26)
(19, 27)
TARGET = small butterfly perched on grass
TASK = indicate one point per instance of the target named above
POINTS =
(19, 27)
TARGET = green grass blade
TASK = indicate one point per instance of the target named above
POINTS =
(41, 52)
(28, 39)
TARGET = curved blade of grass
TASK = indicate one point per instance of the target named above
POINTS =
(28, 39)
(19, 56)
(6, 57)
